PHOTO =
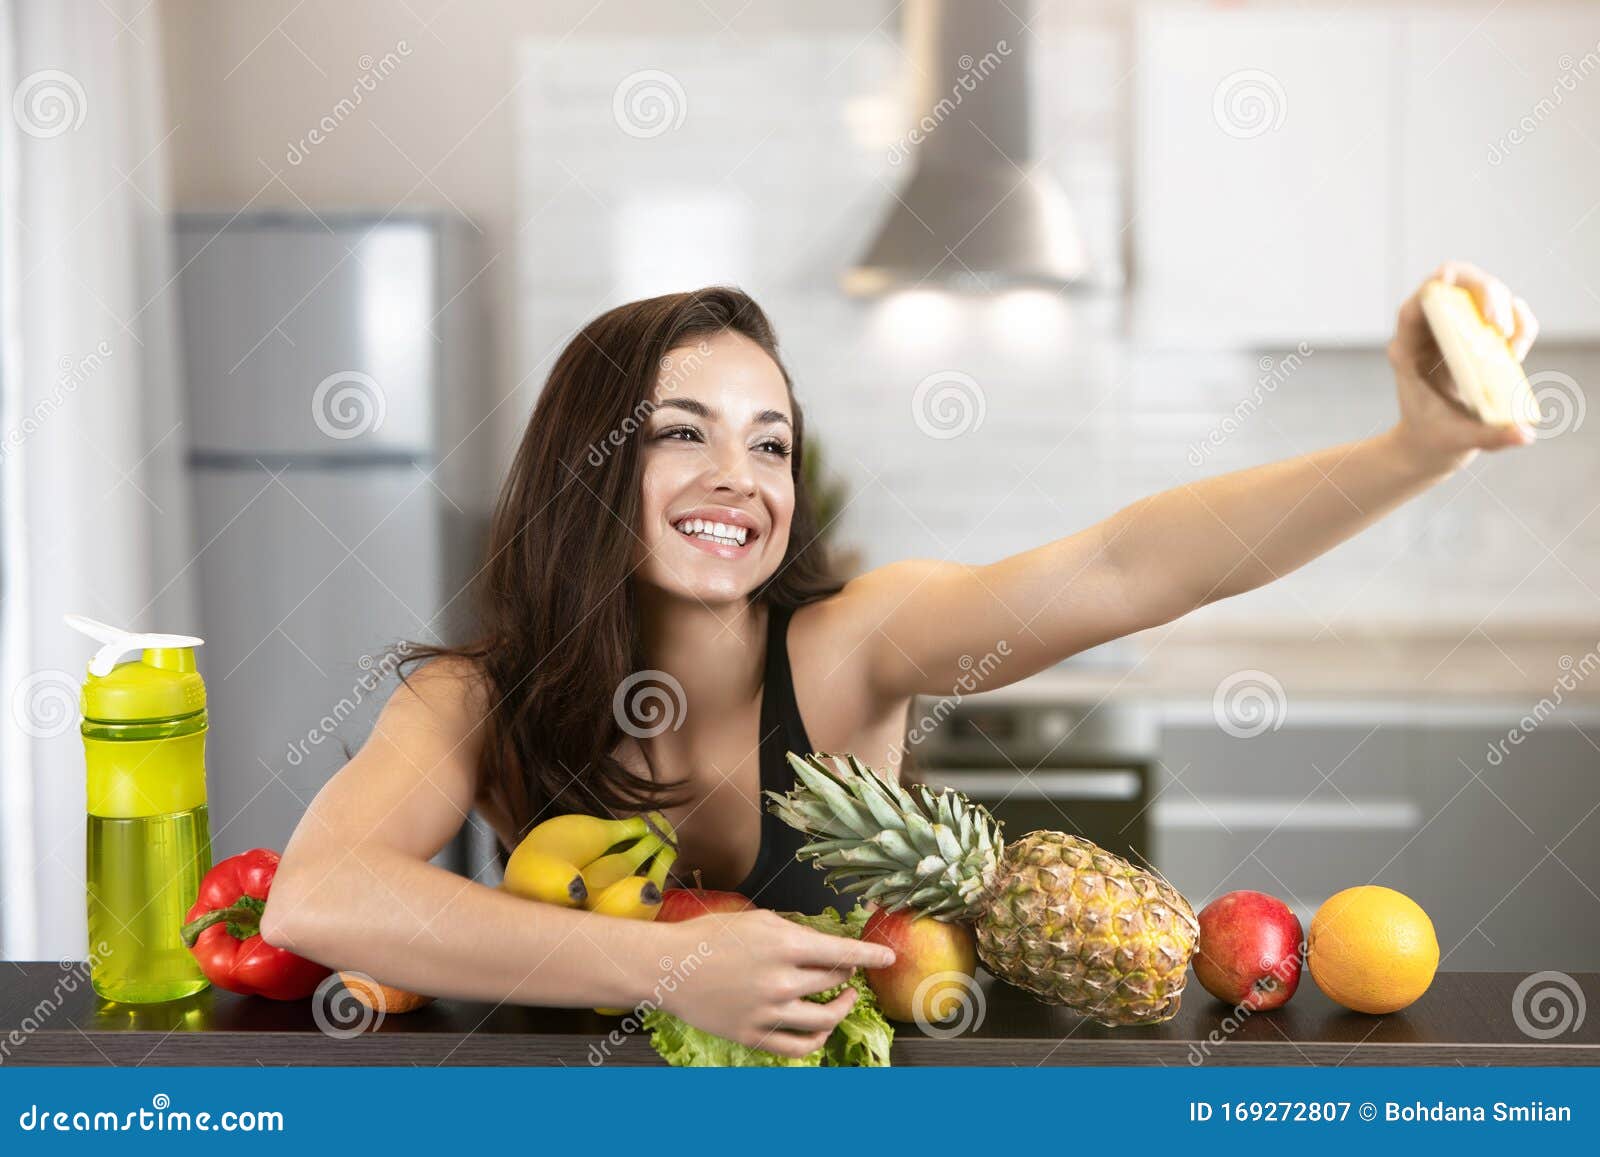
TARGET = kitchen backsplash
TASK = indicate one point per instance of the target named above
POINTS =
(974, 427)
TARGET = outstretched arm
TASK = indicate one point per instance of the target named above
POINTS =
(926, 624)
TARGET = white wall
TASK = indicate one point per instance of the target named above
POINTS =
(248, 80)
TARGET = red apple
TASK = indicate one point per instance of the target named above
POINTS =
(687, 903)
(1250, 950)
(923, 947)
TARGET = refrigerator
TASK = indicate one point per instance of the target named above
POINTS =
(334, 401)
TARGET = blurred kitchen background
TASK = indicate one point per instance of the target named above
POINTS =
(282, 281)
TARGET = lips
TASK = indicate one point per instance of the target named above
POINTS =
(720, 530)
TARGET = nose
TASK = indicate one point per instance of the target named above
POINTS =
(728, 469)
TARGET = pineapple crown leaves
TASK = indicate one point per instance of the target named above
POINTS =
(933, 853)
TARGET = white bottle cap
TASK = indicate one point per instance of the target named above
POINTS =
(116, 642)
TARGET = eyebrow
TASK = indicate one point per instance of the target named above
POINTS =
(701, 410)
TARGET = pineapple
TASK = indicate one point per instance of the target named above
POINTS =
(1055, 915)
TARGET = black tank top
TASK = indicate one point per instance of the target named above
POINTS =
(779, 881)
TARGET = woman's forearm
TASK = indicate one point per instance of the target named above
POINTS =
(411, 924)
(1222, 536)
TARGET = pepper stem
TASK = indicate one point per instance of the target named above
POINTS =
(243, 918)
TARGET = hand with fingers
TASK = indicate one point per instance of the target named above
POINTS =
(753, 972)
(1435, 421)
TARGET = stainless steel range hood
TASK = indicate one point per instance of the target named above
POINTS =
(975, 213)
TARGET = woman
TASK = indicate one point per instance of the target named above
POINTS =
(655, 526)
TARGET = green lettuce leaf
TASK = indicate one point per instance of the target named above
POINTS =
(862, 1038)
(829, 921)
(684, 1045)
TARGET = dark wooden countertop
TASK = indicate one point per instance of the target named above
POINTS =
(49, 1015)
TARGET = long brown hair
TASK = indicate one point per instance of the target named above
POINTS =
(558, 626)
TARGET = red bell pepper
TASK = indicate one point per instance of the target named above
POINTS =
(224, 932)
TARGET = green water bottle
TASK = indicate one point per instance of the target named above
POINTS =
(149, 838)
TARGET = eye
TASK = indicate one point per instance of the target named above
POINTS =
(775, 446)
(679, 434)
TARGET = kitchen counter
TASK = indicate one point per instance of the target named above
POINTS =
(1470, 668)
(50, 1016)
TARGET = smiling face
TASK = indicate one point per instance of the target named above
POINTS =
(718, 494)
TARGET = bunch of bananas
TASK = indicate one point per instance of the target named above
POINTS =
(599, 864)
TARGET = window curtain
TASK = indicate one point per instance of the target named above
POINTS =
(93, 494)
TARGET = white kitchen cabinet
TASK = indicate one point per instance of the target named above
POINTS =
(1265, 168)
(1501, 165)
(1298, 173)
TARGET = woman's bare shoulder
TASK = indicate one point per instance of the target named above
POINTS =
(832, 647)
(865, 603)
(451, 690)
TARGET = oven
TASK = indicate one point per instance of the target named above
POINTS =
(1078, 768)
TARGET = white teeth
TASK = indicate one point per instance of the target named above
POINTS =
(724, 534)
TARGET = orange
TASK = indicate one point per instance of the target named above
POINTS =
(1372, 949)
(382, 997)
